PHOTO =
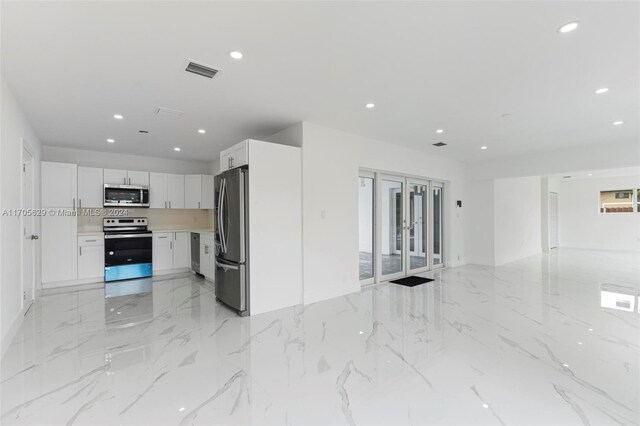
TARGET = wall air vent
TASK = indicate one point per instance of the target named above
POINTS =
(202, 70)
(440, 144)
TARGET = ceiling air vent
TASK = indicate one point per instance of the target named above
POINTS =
(202, 70)
(169, 112)
(440, 144)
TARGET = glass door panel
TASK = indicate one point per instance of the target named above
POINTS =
(438, 203)
(417, 225)
(365, 225)
(392, 235)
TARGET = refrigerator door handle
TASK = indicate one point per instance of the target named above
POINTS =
(223, 240)
(225, 266)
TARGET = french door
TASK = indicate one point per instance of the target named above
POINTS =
(406, 238)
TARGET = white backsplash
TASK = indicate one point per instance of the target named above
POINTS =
(157, 218)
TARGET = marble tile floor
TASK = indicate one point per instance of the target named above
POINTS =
(552, 339)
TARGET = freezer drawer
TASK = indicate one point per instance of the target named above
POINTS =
(231, 288)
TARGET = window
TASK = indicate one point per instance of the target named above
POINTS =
(617, 201)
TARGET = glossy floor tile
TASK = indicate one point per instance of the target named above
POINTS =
(547, 340)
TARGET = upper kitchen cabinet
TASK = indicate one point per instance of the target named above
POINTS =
(166, 191)
(198, 192)
(236, 156)
(90, 187)
(59, 184)
(125, 177)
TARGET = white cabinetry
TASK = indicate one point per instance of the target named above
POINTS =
(171, 250)
(126, 177)
(90, 187)
(91, 257)
(236, 156)
(166, 191)
(207, 256)
(198, 192)
(60, 228)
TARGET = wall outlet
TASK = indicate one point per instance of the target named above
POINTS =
(323, 214)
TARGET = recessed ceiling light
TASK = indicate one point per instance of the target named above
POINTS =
(370, 105)
(483, 147)
(118, 116)
(176, 149)
(202, 131)
(568, 27)
(602, 90)
(236, 55)
(439, 131)
(617, 123)
(110, 140)
(589, 174)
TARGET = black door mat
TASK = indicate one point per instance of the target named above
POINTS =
(412, 281)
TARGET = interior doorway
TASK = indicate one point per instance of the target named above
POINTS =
(553, 220)
(401, 226)
(29, 236)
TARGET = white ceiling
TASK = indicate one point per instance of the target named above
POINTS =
(458, 66)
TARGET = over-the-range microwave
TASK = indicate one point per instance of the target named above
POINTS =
(126, 196)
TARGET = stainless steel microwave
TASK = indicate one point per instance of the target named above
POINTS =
(126, 196)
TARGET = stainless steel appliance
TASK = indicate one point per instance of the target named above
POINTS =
(126, 196)
(195, 252)
(127, 248)
(232, 247)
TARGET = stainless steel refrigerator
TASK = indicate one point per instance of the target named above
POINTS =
(232, 242)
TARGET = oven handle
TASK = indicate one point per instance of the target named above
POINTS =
(110, 236)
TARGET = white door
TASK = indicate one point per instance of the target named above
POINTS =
(90, 187)
(181, 250)
(28, 230)
(137, 178)
(391, 259)
(192, 191)
(417, 229)
(158, 191)
(59, 184)
(115, 177)
(175, 191)
(437, 222)
(162, 251)
(553, 220)
(207, 192)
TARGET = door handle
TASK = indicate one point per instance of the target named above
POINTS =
(165, 204)
(124, 180)
(129, 181)
(34, 237)
(169, 204)
(198, 204)
(74, 204)
(80, 250)
(79, 203)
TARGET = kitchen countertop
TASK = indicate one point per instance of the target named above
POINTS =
(91, 234)
(200, 231)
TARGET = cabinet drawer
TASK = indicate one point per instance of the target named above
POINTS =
(95, 240)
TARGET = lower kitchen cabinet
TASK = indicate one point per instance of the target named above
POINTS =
(171, 250)
(59, 248)
(90, 257)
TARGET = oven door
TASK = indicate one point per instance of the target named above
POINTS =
(127, 256)
(125, 196)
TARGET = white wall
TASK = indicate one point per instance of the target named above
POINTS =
(517, 218)
(581, 224)
(479, 226)
(112, 160)
(331, 160)
(14, 126)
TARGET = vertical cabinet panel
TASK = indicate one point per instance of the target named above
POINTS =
(207, 192)
(59, 248)
(59, 184)
(90, 187)
(181, 250)
(158, 190)
(192, 191)
(175, 191)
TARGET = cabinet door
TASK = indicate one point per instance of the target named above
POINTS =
(206, 260)
(181, 250)
(59, 184)
(158, 191)
(207, 192)
(90, 261)
(225, 162)
(192, 191)
(137, 178)
(175, 191)
(162, 251)
(59, 248)
(90, 187)
(239, 155)
(115, 177)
